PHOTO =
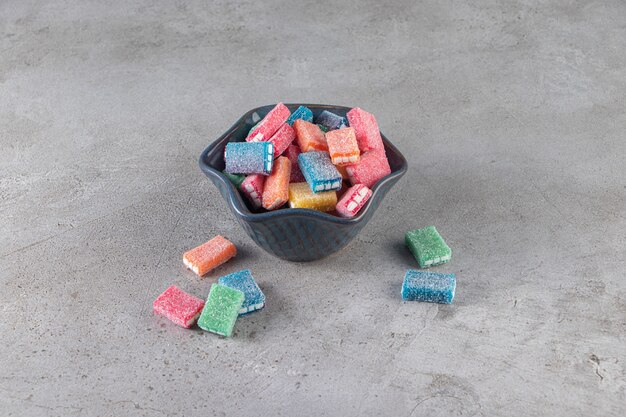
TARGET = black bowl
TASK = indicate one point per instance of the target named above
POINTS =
(294, 234)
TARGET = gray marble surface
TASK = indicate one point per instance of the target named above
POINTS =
(512, 115)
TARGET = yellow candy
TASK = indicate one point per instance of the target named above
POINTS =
(301, 196)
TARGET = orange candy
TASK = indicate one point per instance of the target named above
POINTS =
(342, 146)
(309, 136)
(209, 255)
(343, 172)
(276, 189)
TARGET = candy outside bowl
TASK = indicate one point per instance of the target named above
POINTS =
(294, 234)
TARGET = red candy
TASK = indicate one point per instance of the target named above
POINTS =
(282, 139)
(292, 153)
(353, 200)
(372, 167)
(270, 124)
(252, 188)
(366, 129)
(178, 306)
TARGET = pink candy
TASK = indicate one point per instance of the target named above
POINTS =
(366, 129)
(292, 153)
(252, 188)
(372, 167)
(178, 306)
(353, 200)
(270, 124)
(282, 139)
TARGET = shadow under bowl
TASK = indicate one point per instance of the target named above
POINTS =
(294, 234)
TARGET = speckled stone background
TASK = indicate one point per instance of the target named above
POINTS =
(512, 114)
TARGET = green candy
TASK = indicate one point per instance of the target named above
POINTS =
(427, 246)
(235, 178)
(254, 127)
(323, 128)
(221, 310)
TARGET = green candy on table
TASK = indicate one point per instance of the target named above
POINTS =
(428, 247)
(221, 310)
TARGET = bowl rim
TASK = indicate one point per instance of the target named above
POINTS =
(236, 199)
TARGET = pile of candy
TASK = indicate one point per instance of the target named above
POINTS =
(238, 293)
(233, 295)
(289, 157)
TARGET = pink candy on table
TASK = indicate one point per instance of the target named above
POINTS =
(252, 188)
(353, 200)
(270, 124)
(292, 153)
(178, 306)
(366, 129)
(282, 139)
(372, 167)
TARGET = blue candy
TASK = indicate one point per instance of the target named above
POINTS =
(301, 112)
(244, 282)
(428, 286)
(249, 157)
(319, 171)
(331, 121)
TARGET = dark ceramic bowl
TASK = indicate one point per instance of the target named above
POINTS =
(294, 234)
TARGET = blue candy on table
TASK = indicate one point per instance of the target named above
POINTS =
(244, 282)
(301, 112)
(331, 121)
(249, 157)
(430, 287)
(319, 171)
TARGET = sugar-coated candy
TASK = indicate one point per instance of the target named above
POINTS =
(254, 299)
(428, 286)
(366, 129)
(342, 146)
(319, 171)
(178, 306)
(309, 136)
(209, 255)
(252, 188)
(331, 121)
(301, 112)
(323, 128)
(292, 153)
(270, 124)
(372, 167)
(428, 246)
(276, 189)
(221, 310)
(301, 196)
(353, 200)
(249, 157)
(235, 178)
(282, 139)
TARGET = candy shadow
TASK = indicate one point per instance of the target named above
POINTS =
(249, 325)
(401, 255)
